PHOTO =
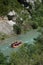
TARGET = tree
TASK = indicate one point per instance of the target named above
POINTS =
(19, 21)
(8, 5)
(34, 25)
(37, 13)
(4, 7)
(17, 29)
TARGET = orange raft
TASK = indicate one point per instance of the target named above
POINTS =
(16, 44)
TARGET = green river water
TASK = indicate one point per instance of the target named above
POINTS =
(25, 38)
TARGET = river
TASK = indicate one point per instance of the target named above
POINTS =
(5, 46)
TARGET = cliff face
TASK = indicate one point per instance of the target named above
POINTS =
(6, 27)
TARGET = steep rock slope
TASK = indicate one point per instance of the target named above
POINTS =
(6, 27)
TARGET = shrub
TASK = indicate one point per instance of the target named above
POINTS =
(34, 25)
(17, 29)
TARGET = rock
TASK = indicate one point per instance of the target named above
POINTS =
(5, 27)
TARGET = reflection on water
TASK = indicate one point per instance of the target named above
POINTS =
(25, 38)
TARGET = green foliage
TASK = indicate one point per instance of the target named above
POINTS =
(34, 25)
(3, 36)
(2, 59)
(40, 38)
(20, 57)
(17, 29)
(7, 5)
(19, 21)
(3, 7)
(37, 13)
